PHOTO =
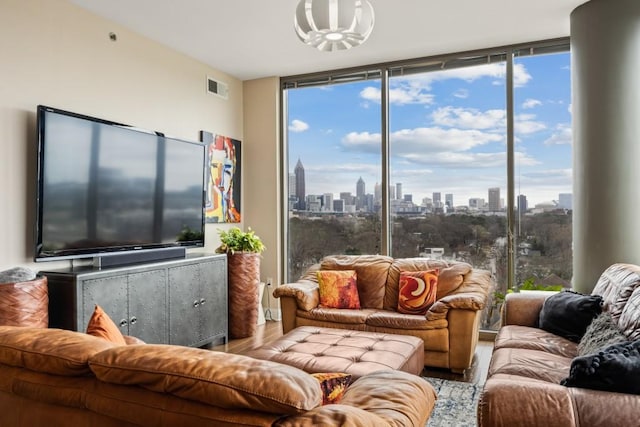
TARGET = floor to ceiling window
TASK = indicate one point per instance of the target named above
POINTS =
(334, 171)
(447, 186)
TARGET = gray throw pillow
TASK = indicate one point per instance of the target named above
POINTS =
(17, 275)
(601, 332)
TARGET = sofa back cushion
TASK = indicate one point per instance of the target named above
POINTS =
(219, 379)
(372, 271)
(615, 285)
(50, 351)
(450, 277)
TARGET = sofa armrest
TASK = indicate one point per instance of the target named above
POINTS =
(305, 292)
(389, 398)
(131, 340)
(471, 295)
(523, 308)
(511, 402)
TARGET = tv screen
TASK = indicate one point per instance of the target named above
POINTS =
(105, 187)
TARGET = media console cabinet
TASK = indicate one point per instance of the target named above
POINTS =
(181, 301)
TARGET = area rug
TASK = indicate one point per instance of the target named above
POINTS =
(456, 404)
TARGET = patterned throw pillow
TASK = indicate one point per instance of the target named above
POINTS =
(333, 386)
(338, 289)
(417, 291)
(101, 325)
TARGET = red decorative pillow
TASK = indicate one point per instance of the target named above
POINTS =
(338, 289)
(101, 325)
(417, 291)
(333, 386)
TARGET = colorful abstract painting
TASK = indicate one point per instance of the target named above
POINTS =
(223, 183)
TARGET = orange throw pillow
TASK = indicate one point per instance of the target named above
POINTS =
(101, 325)
(417, 291)
(333, 386)
(338, 289)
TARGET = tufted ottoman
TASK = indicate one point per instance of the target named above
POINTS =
(314, 349)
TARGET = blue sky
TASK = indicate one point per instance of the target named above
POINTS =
(448, 132)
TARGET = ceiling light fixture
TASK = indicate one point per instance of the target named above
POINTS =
(330, 25)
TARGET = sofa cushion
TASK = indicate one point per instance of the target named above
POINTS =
(333, 385)
(50, 351)
(568, 313)
(417, 291)
(526, 337)
(601, 333)
(403, 322)
(629, 320)
(338, 289)
(100, 325)
(615, 285)
(615, 368)
(372, 271)
(219, 379)
(450, 277)
(337, 315)
(530, 364)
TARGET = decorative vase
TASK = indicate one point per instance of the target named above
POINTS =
(244, 279)
(25, 303)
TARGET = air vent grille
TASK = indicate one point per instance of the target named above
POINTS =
(217, 88)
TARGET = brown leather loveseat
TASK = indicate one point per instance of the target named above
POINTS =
(528, 364)
(449, 329)
(52, 377)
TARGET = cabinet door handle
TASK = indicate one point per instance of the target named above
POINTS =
(123, 322)
(196, 303)
(202, 301)
(133, 320)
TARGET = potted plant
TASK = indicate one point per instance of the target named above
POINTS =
(243, 249)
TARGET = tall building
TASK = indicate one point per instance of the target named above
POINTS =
(565, 201)
(437, 198)
(327, 202)
(522, 203)
(399, 191)
(300, 189)
(377, 192)
(494, 199)
(448, 200)
(476, 203)
(292, 184)
(360, 198)
(392, 192)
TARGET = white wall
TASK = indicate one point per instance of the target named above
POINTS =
(56, 54)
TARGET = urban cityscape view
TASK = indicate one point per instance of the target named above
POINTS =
(447, 170)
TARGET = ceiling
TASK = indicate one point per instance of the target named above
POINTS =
(250, 39)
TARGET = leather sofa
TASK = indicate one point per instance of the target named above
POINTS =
(527, 365)
(53, 377)
(449, 329)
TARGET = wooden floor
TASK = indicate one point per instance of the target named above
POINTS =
(272, 330)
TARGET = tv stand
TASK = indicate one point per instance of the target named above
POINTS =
(182, 301)
(137, 257)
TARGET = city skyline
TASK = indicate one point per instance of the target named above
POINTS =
(447, 131)
(494, 201)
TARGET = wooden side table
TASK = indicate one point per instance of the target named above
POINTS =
(25, 303)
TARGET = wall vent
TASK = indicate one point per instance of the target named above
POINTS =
(217, 88)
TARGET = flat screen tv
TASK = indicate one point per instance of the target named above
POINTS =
(105, 188)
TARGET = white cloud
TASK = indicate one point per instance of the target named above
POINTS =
(461, 93)
(531, 103)
(399, 96)
(469, 118)
(492, 120)
(561, 135)
(298, 126)
(525, 124)
(429, 140)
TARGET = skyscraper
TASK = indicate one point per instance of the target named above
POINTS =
(565, 201)
(300, 189)
(494, 199)
(522, 203)
(377, 192)
(360, 197)
(437, 198)
(448, 200)
(399, 191)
